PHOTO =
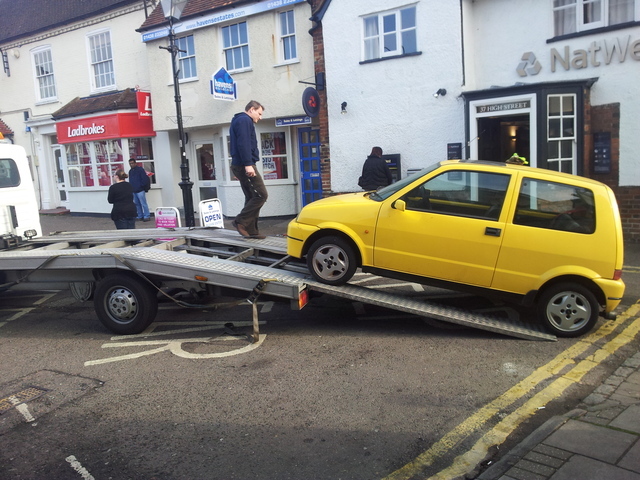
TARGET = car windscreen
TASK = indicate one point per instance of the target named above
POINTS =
(385, 192)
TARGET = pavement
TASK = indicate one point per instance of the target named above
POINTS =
(599, 439)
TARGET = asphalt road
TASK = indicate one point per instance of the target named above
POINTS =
(335, 391)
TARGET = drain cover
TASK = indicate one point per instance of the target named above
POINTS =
(29, 393)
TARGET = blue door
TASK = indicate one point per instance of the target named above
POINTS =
(310, 176)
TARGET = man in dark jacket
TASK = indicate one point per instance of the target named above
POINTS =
(375, 171)
(244, 155)
(140, 182)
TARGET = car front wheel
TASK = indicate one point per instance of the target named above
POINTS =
(332, 260)
(568, 309)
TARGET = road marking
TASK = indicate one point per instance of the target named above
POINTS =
(77, 466)
(19, 312)
(466, 462)
(22, 408)
(175, 345)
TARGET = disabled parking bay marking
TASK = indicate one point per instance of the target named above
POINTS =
(175, 345)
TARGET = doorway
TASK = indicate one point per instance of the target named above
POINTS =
(500, 137)
(206, 184)
(310, 173)
(61, 176)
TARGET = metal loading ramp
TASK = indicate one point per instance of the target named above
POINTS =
(438, 312)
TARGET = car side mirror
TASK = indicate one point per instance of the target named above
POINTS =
(400, 205)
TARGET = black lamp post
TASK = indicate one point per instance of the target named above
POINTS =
(173, 11)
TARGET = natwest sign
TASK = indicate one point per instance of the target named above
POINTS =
(117, 125)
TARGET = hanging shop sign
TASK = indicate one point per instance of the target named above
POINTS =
(143, 100)
(311, 102)
(117, 125)
(223, 87)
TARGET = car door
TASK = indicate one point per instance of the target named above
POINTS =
(450, 229)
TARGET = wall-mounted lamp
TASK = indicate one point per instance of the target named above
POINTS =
(440, 93)
(343, 106)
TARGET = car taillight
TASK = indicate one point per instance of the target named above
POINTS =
(617, 274)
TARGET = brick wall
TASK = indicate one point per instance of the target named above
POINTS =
(606, 118)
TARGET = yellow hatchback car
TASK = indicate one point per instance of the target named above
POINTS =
(530, 236)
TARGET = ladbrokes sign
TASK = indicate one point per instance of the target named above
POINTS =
(118, 125)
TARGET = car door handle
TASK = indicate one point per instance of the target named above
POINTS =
(492, 231)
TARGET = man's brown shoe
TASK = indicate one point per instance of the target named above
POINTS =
(241, 230)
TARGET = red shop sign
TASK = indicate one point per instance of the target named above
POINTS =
(117, 125)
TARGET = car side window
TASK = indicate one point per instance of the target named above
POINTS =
(555, 206)
(9, 175)
(461, 193)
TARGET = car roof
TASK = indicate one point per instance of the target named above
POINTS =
(567, 177)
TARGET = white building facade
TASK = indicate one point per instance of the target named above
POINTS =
(69, 55)
(552, 81)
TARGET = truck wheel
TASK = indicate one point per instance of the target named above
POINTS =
(331, 260)
(568, 309)
(125, 304)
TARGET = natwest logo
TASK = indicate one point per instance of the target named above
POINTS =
(81, 130)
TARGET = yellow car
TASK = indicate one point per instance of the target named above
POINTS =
(530, 236)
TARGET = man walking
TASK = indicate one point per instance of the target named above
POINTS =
(244, 155)
(140, 182)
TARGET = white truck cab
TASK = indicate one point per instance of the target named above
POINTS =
(19, 216)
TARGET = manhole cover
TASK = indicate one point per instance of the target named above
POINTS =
(26, 395)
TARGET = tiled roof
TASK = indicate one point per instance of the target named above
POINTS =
(21, 18)
(4, 129)
(98, 103)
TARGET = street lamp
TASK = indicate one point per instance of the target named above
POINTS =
(173, 11)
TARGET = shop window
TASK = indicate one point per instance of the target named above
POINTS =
(235, 41)
(108, 160)
(274, 156)
(561, 133)
(287, 36)
(206, 166)
(390, 33)
(94, 164)
(45, 80)
(79, 164)
(101, 56)
(186, 58)
(572, 16)
(141, 149)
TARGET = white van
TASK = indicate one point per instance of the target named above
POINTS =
(19, 216)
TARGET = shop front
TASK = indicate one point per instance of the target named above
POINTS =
(90, 149)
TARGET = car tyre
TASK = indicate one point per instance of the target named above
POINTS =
(331, 260)
(568, 309)
(125, 304)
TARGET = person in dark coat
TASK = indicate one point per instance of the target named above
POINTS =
(140, 183)
(375, 171)
(244, 155)
(120, 195)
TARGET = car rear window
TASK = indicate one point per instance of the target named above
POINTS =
(555, 206)
(9, 175)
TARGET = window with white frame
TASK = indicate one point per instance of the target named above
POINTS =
(572, 16)
(561, 133)
(274, 153)
(287, 36)
(390, 33)
(101, 58)
(45, 80)
(186, 58)
(235, 43)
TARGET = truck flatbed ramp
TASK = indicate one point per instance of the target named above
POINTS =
(150, 252)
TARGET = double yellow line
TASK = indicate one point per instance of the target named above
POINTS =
(497, 435)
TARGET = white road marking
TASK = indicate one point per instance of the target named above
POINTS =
(77, 466)
(22, 408)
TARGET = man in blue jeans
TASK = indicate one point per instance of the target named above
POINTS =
(140, 182)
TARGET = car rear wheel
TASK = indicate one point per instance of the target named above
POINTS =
(332, 260)
(568, 309)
